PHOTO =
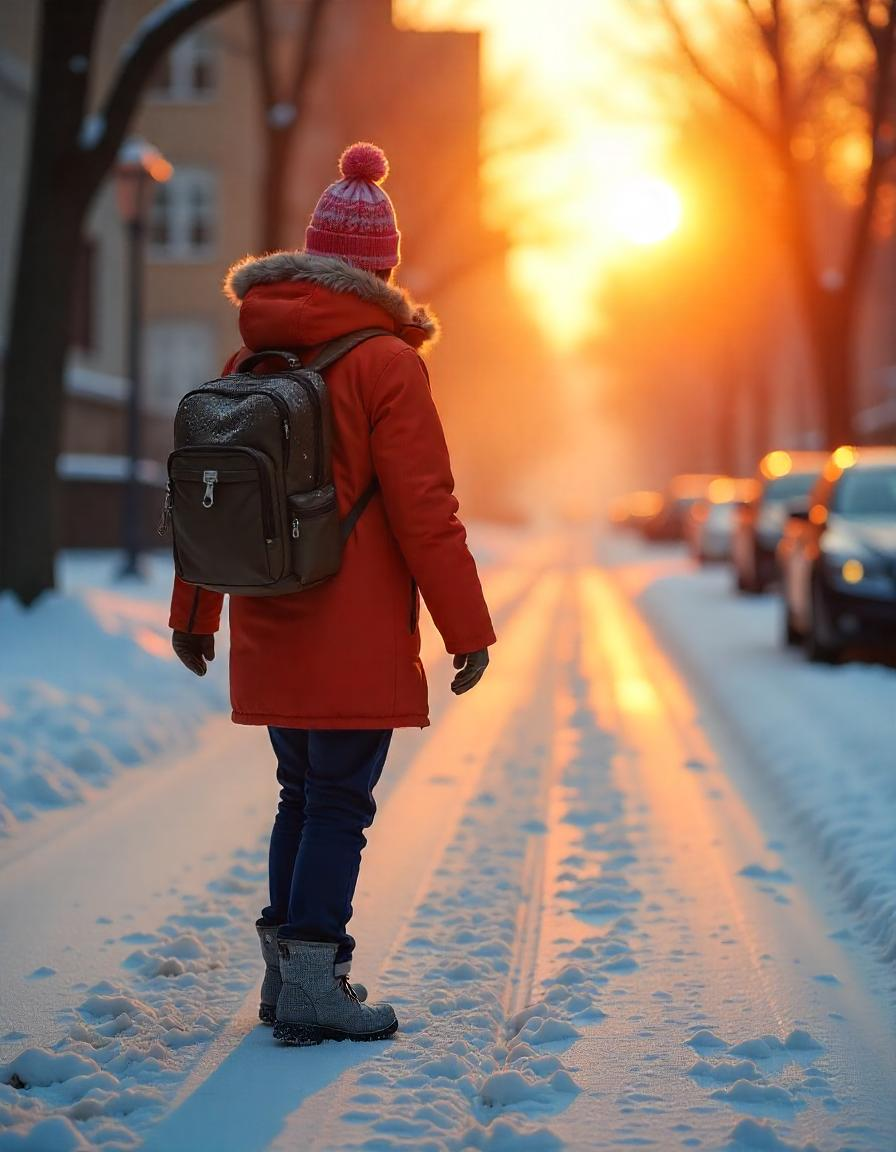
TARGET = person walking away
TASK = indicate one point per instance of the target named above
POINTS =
(333, 669)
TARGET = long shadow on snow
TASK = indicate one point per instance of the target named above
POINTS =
(244, 1104)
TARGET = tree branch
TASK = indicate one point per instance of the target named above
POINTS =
(863, 8)
(718, 86)
(308, 51)
(823, 65)
(765, 28)
(260, 50)
(158, 32)
(885, 50)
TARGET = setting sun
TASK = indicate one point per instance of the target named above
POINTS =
(646, 210)
(580, 192)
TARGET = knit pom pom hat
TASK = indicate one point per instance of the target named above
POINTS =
(354, 219)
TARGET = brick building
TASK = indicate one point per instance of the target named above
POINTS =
(416, 93)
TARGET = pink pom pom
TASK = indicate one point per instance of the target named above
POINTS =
(364, 161)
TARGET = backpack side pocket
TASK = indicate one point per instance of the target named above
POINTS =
(315, 535)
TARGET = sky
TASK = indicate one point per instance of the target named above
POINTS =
(572, 168)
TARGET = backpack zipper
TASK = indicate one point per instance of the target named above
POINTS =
(165, 518)
(209, 479)
(312, 514)
(314, 400)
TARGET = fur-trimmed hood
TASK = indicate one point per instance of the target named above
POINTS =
(413, 322)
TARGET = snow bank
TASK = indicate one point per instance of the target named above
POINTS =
(89, 687)
(823, 736)
(128, 1044)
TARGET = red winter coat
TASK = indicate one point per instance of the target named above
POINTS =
(347, 654)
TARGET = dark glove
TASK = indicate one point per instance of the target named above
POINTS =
(471, 665)
(193, 650)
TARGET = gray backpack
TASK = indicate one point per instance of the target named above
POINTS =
(250, 494)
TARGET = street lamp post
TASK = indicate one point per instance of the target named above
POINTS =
(138, 169)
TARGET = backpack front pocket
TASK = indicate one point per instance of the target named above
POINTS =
(225, 516)
(315, 534)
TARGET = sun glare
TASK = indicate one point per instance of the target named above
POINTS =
(584, 193)
(646, 210)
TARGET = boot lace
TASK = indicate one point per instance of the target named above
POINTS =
(348, 990)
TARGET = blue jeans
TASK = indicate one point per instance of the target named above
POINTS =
(326, 801)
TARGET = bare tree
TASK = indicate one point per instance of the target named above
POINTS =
(808, 54)
(70, 153)
(282, 98)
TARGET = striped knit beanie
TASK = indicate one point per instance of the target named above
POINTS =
(354, 219)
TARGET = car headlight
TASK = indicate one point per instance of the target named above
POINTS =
(861, 573)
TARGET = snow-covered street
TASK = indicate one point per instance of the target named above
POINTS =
(636, 890)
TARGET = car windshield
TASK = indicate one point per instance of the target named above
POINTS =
(866, 492)
(789, 487)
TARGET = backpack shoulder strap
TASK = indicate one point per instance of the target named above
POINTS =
(328, 355)
(356, 511)
(337, 348)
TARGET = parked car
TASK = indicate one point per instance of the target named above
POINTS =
(838, 557)
(683, 491)
(759, 522)
(636, 509)
(709, 525)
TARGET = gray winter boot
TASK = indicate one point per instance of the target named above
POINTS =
(316, 1004)
(271, 985)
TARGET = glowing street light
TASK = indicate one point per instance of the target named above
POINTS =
(138, 169)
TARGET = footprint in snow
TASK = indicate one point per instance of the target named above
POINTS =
(42, 973)
(801, 1041)
(760, 1048)
(772, 875)
(706, 1039)
(745, 1092)
(762, 1136)
(725, 1072)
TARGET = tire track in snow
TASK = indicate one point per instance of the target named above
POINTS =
(460, 946)
(792, 754)
(720, 1036)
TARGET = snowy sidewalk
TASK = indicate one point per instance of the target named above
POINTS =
(597, 928)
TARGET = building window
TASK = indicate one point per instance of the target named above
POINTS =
(188, 74)
(82, 317)
(180, 355)
(182, 225)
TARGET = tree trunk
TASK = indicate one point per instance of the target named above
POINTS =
(37, 340)
(727, 390)
(834, 335)
(33, 395)
(61, 181)
(760, 410)
(278, 149)
(282, 113)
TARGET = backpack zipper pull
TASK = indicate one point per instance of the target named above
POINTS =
(209, 478)
(295, 528)
(165, 518)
